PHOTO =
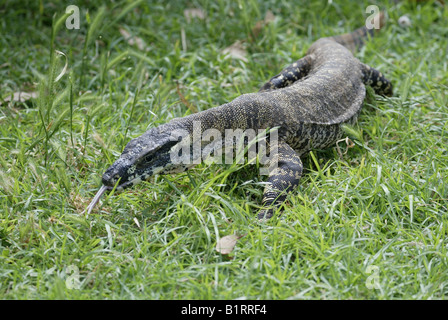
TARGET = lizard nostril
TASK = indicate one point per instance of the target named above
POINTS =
(107, 179)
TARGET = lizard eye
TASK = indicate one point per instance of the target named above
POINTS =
(152, 155)
(145, 161)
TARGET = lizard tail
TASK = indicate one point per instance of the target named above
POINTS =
(355, 40)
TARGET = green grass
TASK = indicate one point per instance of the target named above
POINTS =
(383, 204)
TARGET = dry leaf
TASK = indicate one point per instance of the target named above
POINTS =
(20, 96)
(226, 244)
(349, 144)
(194, 13)
(64, 70)
(136, 222)
(268, 18)
(236, 51)
(132, 40)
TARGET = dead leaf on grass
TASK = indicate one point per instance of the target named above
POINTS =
(137, 223)
(133, 40)
(226, 244)
(268, 18)
(20, 97)
(192, 13)
(236, 51)
(349, 144)
(64, 70)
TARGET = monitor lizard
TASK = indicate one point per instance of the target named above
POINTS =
(308, 102)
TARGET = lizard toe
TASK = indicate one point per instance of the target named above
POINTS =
(265, 215)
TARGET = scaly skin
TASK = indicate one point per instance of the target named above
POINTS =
(309, 102)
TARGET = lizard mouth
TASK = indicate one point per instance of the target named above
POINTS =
(111, 183)
(121, 186)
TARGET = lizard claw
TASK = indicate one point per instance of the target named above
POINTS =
(265, 215)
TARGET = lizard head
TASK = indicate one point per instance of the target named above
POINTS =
(143, 157)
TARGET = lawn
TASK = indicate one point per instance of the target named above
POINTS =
(367, 222)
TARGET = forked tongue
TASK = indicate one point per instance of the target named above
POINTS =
(96, 199)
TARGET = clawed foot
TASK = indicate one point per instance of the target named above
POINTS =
(265, 215)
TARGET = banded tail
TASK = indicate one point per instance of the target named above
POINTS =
(355, 40)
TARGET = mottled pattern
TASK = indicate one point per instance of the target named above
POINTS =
(376, 80)
(291, 74)
(308, 102)
(282, 179)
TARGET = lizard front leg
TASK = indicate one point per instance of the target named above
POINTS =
(284, 175)
(375, 79)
